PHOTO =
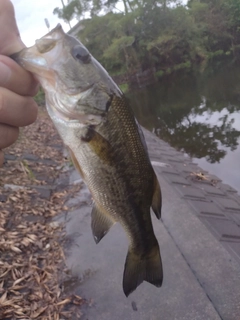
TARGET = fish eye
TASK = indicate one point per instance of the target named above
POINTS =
(80, 53)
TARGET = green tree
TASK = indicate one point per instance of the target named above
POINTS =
(160, 34)
(74, 9)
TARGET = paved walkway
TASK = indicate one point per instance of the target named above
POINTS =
(216, 204)
(199, 236)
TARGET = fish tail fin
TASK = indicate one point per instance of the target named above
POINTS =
(139, 268)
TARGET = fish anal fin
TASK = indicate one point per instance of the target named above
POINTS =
(157, 198)
(142, 268)
(101, 223)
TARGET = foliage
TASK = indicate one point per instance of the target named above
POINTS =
(74, 9)
(132, 35)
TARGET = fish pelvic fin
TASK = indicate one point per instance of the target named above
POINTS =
(157, 198)
(139, 268)
(101, 223)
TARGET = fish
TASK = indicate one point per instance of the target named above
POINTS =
(107, 147)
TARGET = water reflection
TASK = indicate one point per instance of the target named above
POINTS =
(198, 116)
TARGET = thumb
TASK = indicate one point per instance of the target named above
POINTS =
(10, 41)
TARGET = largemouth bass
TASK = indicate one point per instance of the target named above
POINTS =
(106, 144)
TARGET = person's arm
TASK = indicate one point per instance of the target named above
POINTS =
(17, 86)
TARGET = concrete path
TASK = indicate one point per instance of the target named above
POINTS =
(199, 237)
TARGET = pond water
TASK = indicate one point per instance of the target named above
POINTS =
(199, 116)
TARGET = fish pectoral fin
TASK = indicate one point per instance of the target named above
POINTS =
(99, 145)
(157, 198)
(101, 223)
(139, 268)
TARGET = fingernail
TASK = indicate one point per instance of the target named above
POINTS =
(5, 73)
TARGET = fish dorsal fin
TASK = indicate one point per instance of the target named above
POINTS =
(101, 223)
(157, 198)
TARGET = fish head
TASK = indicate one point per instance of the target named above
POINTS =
(76, 85)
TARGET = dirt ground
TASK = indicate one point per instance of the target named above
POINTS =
(32, 267)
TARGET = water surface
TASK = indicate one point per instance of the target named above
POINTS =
(199, 116)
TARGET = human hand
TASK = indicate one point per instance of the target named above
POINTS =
(17, 86)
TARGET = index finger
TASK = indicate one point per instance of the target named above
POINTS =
(10, 41)
(13, 78)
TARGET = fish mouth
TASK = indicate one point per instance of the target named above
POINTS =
(30, 59)
(38, 58)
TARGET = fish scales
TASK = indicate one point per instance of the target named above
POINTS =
(120, 180)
